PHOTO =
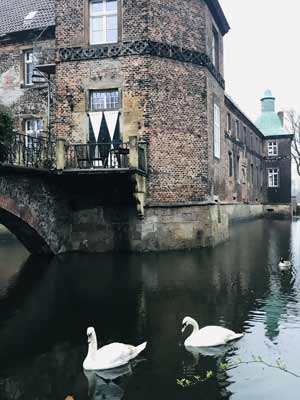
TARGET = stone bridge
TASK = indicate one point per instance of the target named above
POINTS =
(33, 210)
(53, 210)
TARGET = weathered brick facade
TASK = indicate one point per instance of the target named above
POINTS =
(167, 67)
(25, 101)
(163, 100)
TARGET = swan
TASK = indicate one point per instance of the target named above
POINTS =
(111, 356)
(283, 264)
(209, 336)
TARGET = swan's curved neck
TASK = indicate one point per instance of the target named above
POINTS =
(194, 325)
(92, 347)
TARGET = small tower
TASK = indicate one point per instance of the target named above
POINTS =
(277, 156)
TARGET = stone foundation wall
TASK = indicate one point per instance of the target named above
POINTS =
(278, 211)
(242, 212)
(163, 228)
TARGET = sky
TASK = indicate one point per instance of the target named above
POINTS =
(261, 52)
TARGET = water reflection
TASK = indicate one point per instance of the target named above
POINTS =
(47, 306)
(109, 384)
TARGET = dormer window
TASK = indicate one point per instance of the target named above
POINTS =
(103, 21)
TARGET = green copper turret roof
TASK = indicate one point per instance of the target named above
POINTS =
(269, 122)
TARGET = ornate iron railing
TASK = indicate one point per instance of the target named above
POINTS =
(41, 152)
(28, 151)
(97, 155)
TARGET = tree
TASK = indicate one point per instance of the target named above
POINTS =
(293, 124)
(6, 132)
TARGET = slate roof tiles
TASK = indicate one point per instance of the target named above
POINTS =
(13, 12)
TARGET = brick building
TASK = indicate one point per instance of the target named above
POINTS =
(151, 70)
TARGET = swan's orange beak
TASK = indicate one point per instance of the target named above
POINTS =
(183, 327)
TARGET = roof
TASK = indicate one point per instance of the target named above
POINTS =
(230, 102)
(269, 122)
(219, 15)
(14, 12)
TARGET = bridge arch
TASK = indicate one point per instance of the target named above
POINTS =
(20, 220)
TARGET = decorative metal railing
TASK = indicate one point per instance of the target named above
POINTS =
(41, 152)
(28, 151)
(97, 155)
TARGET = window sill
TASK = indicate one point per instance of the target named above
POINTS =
(104, 44)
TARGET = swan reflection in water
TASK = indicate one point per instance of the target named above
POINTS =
(191, 364)
(102, 385)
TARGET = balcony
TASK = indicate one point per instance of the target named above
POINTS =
(42, 153)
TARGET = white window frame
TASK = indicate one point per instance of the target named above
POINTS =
(273, 177)
(272, 148)
(106, 102)
(28, 63)
(34, 133)
(217, 131)
(102, 15)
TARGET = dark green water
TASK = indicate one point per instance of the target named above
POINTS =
(46, 306)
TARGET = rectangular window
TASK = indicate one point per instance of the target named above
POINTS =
(245, 135)
(215, 49)
(28, 67)
(230, 164)
(237, 129)
(103, 21)
(272, 148)
(33, 130)
(228, 123)
(252, 174)
(217, 131)
(104, 100)
(273, 175)
(237, 170)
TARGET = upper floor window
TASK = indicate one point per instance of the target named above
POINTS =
(228, 123)
(230, 158)
(28, 67)
(237, 129)
(217, 131)
(273, 177)
(272, 148)
(215, 48)
(103, 21)
(104, 100)
(245, 134)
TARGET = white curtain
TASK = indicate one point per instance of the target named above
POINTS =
(96, 120)
(111, 118)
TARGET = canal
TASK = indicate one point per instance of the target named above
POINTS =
(46, 306)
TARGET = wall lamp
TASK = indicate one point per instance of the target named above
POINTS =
(70, 99)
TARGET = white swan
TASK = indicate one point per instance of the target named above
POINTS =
(110, 356)
(284, 264)
(208, 336)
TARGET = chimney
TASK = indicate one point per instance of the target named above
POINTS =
(281, 116)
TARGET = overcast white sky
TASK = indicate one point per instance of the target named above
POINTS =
(261, 52)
